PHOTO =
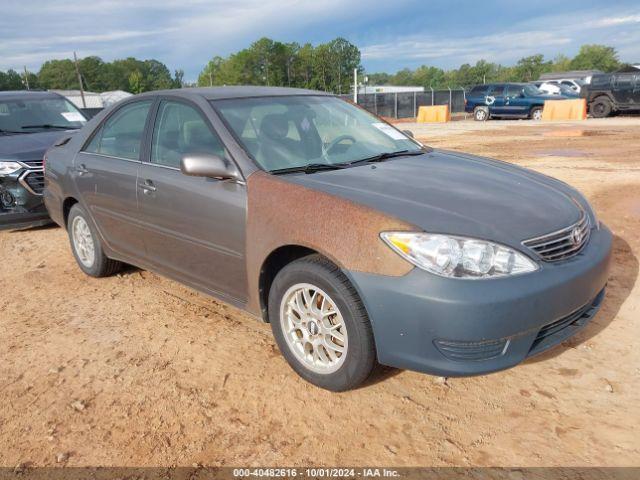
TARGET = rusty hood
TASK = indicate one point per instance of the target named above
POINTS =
(447, 192)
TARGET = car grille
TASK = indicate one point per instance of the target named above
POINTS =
(32, 163)
(562, 244)
(472, 351)
(555, 332)
(33, 181)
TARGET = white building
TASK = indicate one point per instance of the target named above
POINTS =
(109, 98)
(92, 99)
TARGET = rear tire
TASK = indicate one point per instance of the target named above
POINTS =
(481, 114)
(601, 107)
(86, 246)
(300, 298)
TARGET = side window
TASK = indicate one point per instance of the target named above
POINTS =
(479, 90)
(514, 90)
(179, 130)
(121, 134)
(623, 81)
(497, 91)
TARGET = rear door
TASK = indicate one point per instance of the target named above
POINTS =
(105, 172)
(195, 226)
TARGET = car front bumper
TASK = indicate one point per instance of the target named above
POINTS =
(20, 206)
(454, 327)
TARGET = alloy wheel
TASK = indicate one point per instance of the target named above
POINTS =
(313, 328)
(83, 241)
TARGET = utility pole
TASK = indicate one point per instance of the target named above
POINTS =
(75, 59)
(355, 86)
(26, 77)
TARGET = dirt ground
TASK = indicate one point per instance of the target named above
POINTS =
(137, 370)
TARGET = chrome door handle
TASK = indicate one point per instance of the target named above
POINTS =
(81, 169)
(147, 187)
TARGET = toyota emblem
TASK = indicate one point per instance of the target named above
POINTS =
(576, 236)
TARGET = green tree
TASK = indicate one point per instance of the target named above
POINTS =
(530, 68)
(135, 82)
(345, 58)
(92, 71)
(267, 62)
(561, 63)
(58, 74)
(11, 80)
(596, 57)
(178, 78)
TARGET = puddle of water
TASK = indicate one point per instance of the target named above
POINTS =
(562, 153)
(576, 133)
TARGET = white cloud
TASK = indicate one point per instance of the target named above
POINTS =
(181, 33)
(550, 35)
(613, 21)
(487, 46)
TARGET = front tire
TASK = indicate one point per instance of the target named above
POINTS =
(86, 246)
(320, 324)
(536, 114)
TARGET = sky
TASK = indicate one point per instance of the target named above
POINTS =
(392, 34)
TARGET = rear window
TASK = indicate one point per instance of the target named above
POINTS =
(479, 90)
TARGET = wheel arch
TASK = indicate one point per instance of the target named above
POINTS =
(66, 208)
(603, 95)
(276, 261)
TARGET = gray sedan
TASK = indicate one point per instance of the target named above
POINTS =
(358, 244)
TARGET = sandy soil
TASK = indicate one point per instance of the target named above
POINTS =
(137, 370)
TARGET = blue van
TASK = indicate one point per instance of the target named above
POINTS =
(508, 100)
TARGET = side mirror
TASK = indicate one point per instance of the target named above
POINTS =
(213, 166)
(408, 133)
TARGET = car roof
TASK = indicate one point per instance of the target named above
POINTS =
(219, 93)
(27, 94)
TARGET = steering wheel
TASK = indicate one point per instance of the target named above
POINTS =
(336, 141)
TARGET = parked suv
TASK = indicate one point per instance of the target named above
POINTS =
(30, 122)
(506, 100)
(611, 93)
(358, 244)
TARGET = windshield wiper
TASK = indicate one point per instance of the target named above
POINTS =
(381, 157)
(310, 168)
(49, 125)
(10, 132)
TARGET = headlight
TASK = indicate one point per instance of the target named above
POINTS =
(458, 257)
(7, 168)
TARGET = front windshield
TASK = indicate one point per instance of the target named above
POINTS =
(28, 115)
(296, 131)
(531, 90)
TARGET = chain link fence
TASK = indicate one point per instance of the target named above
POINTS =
(406, 105)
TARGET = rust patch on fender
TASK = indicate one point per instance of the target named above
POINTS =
(282, 213)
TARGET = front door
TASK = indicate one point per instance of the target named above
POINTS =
(623, 88)
(195, 225)
(105, 172)
(636, 92)
(495, 100)
(515, 101)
